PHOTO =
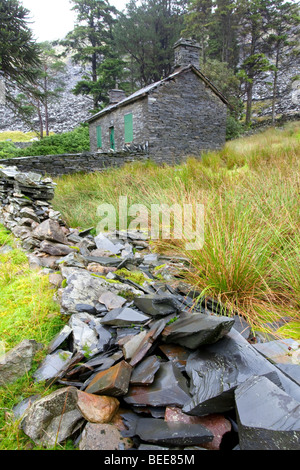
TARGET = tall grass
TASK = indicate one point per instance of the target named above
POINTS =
(250, 192)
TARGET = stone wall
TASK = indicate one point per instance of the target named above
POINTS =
(185, 117)
(116, 119)
(56, 165)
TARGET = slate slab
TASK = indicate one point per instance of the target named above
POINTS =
(124, 317)
(50, 230)
(197, 329)
(157, 305)
(112, 382)
(144, 372)
(169, 388)
(280, 351)
(216, 370)
(268, 418)
(53, 365)
(158, 431)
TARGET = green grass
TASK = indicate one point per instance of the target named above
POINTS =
(250, 191)
(17, 136)
(27, 311)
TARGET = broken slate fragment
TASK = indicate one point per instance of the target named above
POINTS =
(158, 431)
(103, 243)
(59, 339)
(216, 370)
(144, 372)
(55, 249)
(85, 337)
(50, 230)
(124, 316)
(176, 354)
(197, 329)
(111, 300)
(268, 418)
(53, 365)
(112, 382)
(216, 423)
(279, 351)
(154, 304)
(18, 361)
(169, 388)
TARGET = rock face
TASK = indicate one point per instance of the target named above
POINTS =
(143, 365)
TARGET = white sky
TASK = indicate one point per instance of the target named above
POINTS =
(53, 19)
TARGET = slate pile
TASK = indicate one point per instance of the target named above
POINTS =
(142, 363)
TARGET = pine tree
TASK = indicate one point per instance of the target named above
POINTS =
(19, 53)
(145, 35)
(91, 43)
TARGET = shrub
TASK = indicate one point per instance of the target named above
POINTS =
(8, 150)
(76, 141)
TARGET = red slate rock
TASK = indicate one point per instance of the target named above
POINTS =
(112, 382)
(216, 423)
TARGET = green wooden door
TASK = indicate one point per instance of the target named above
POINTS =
(99, 137)
(112, 137)
(128, 127)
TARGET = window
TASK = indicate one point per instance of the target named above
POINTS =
(128, 126)
(99, 137)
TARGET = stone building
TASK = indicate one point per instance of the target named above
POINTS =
(183, 114)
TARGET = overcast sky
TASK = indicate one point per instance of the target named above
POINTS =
(54, 19)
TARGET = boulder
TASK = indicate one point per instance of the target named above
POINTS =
(54, 418)
(18, 361)
(50, 230)
(97, 436)
(97, 409)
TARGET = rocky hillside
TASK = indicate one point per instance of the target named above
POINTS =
(66, 113)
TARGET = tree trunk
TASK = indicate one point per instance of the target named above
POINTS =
(40, 120)
(249, 103)
(274, 97)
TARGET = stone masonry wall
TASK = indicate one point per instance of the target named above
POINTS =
(56, 165)
(185, 118)
(116, 119)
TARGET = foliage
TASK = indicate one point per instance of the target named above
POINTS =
(75, 141)
(19, 53)
(233, 128)
(8, 150)
(48, 86)
(91, 44)
(145, 36)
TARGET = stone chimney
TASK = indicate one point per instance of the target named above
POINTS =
(187, 52)
(116, 95)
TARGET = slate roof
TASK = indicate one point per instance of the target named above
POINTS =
(146, 90)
